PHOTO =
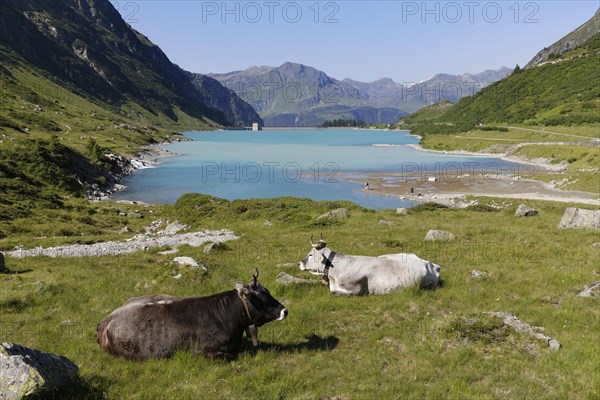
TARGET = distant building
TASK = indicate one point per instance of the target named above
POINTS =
(255, 127)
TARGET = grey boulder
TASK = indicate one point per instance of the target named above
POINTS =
(591, 290)
(188, 262)
(214, 247)
(338, 213)
(525, 211)
(173, 228)
(580, 218)
(401, 211)
(25, 372)
(439, 236)
(287, 279)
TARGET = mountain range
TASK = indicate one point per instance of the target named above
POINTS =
(299, 95)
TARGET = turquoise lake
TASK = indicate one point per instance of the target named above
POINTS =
(301, 163)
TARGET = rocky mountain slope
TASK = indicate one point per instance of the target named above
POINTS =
(86, 47)
(567, 43)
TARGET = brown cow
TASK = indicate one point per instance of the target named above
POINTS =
(158, 325)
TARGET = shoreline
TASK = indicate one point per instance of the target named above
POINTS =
(149, 157)
(538, 162)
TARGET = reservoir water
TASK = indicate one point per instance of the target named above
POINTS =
(314, 164)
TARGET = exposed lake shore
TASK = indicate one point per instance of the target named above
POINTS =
(453, 191)
(149, 158)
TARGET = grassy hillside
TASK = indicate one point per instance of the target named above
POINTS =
(411, 344)
(428, 114)
(565, 91)
(54, 142)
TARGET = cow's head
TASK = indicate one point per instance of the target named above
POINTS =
(315, 261)
(262, 306)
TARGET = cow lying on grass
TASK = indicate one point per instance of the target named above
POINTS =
(358, 275)
(157, 325)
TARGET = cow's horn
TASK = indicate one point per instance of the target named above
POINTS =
(254, 278)
(311, 241)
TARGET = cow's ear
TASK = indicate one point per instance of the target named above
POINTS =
(241, 288)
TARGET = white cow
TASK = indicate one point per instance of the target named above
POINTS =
(358, 275)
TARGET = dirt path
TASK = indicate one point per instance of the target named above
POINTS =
(553, 133)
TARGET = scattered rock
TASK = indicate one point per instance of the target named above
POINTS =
(287, 265)
(188, 262)
(177, 277)
(391, 342)
(152, 228)
(167, 252)
(478, 274)
(37, 284)
(287, 279)
(131, 245)
(338, 213)
(134, 215)
(580, 218)
(213, 247)
(402, 211)
(591, 290)
(597, 244)
(146, 285)
(520, 326)
(525, 211)
(125, 230)
(267, 223)
(173, 228)
(386, 222)
(439, 236)
(26, 372)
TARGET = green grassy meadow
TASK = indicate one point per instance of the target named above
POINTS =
(411, 344)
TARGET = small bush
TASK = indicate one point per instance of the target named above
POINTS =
(481, 208)
(430, 206)
(392, 243)
(325, 222)
(482, 329)
(86, 220)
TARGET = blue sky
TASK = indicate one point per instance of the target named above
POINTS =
(408, 41)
